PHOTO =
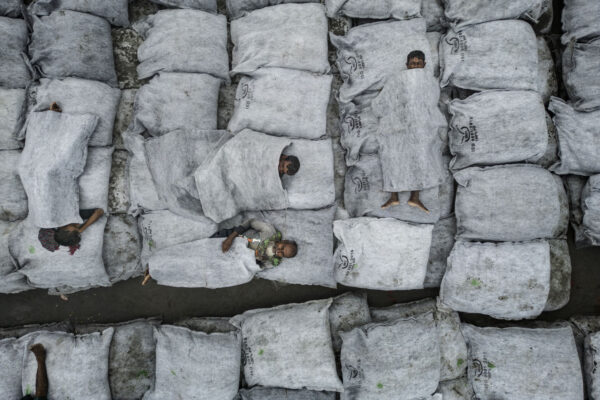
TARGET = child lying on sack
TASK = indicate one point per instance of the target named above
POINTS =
(263, 238)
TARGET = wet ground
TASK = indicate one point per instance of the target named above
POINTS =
(128, 300)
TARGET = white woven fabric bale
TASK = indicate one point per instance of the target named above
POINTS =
(347, 311)
(11, 362)
(453, 350)
(186, 367)
(547, 79)
(590, 203)
(284, 36)
(274, 347)
(173, 101)
(282, 102)
(580, 20)
(497, 127)
(504, 280)
(260, 393)
(115, 11)
(560, 275)
(19, 331)
(510, 203)
(239, 8)
(15, 37)
(11, 281)
(370, 53)
(202, 263)
(204, 5)
(381, 254)
(73, 44)
(433, 12)
(94, 181)
(142, 191)
(591, 360)
(377, 9)
(578, 139)
(456, 389)
(207, 324)
(49, 173)
(363, 195)
(80, 96)
(77, 366)
(12, 116)
(463, 13)
(131, 364)
(523, 364)
(59, 269)
(398, 359)
(183, 41)
(173, 159)
(447, 190)
(11, 8)
(434, 43)
(442, 241)
(491, 55)
(162, 229)
(121, 248)
(13, 199)
(581, 61)
(312, 231)
(358, 128)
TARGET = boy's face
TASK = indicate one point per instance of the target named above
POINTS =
(415, 62)
(284, 164)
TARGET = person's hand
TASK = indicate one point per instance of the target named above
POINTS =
(227, 243)
(39, 351)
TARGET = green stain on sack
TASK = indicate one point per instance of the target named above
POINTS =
(28, 391)
(31, 249)
(355, 266)
(490, 365)
(173, 372)
(151, 243)
(460, 362)
(379, 385)
(143, 373)
(475, 282)
(261, 352)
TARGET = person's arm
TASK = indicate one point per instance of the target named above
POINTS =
(41, 378)
(238, 230)
(95, 217)
(265, 229)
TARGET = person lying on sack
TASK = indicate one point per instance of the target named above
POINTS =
(263, 238)
(41, 377)
(69, 235)
(409, 132)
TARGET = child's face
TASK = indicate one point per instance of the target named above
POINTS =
(415, 62)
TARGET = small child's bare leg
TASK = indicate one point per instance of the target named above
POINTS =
(414, 201)
(393, 201)
(147, 277)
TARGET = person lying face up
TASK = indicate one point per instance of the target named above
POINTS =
(267, 242)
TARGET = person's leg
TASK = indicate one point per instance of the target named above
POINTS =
(41, 378)
(393, 201)
(223, 233)
(414, 201)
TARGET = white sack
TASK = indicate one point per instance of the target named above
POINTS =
(49, 173)
(11, 363)
(275, 347)
(381, 254)
(11, 280)
(12, 8)
(492, 55)
(115, 11)
(581, 62)
(497, 127)
(239, 8)
(80, 96)
(591, 360)
(284, 36)
(77, 366)
(12, 116)
(510, 203)
(456, 389)
(282, 102)
(121, 248)
(347, 312)
(93, 182)
(73, 44)
(207, 324)
(463, 13)
(433, 12)
(580, 20)
(376, 9)
(523, 364)
(13, 48)
(442, 241)
(547, 79)
(13, 199)
(560, 275)
(183, 41)
(260, 393)
(204, 5)
(590, 203)
(358, 128)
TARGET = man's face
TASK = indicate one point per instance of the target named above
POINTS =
(415, 62)
(284, 163)
(283, 250)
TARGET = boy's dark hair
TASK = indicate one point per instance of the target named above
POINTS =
(415, 54)
(67, 238)
(293, 245)
(294, 165)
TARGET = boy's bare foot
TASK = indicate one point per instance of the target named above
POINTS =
(418, 204)
(390, 203)
(64, 297)
(146, 277)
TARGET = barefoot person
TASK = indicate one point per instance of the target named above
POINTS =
(41, 377)
(409, 126)
(68, 235)
(263, 238)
